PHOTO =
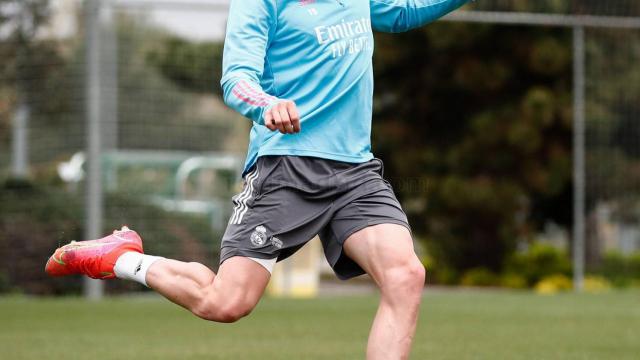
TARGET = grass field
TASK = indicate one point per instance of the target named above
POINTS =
(453, 325)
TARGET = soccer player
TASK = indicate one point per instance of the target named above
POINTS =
(301, 70)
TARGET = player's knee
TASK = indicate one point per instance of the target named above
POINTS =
(234, 311)
(228, 312)
(416, 276)
(405, 281)
(204, 310)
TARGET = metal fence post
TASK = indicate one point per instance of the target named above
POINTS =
(93, 289)
(20, 121)
(578, 157)
(20, 142)
(109, 76)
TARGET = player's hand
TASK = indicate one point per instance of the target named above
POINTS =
(284, 117)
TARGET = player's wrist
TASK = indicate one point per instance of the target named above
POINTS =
(282, 115)
(267, 110)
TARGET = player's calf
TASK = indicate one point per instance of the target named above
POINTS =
(224, 297)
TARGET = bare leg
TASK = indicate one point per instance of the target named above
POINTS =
(225, 297)
(386, 253)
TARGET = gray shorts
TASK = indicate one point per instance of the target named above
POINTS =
(287, 200)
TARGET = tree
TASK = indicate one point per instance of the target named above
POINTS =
(193, 66)
(477, 135)
(591, 7)
(28, 63)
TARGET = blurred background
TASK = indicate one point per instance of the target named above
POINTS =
(510, 132)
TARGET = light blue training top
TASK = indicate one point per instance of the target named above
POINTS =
(317, 53)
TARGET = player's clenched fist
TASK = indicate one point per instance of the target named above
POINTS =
(283, 117)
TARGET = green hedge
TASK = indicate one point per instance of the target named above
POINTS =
(538, 262)
(34, 220)
(621, 270)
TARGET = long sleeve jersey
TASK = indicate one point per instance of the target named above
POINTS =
(317, 53)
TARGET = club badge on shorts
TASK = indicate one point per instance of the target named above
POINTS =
(259, 236)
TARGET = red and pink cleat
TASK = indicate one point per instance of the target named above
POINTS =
(94, 258)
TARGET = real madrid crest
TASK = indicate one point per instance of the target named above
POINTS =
(259, 236)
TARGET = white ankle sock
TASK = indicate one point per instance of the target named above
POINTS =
(133, 266)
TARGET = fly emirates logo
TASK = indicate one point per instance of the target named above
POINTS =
(346, 37)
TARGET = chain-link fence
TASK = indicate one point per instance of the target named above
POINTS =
(606, 47)
(112, 110)
(626, 8)
(107, 84)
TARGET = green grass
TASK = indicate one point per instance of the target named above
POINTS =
(453, 325)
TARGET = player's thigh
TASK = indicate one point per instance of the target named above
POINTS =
(241, 279)
(382, 250)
